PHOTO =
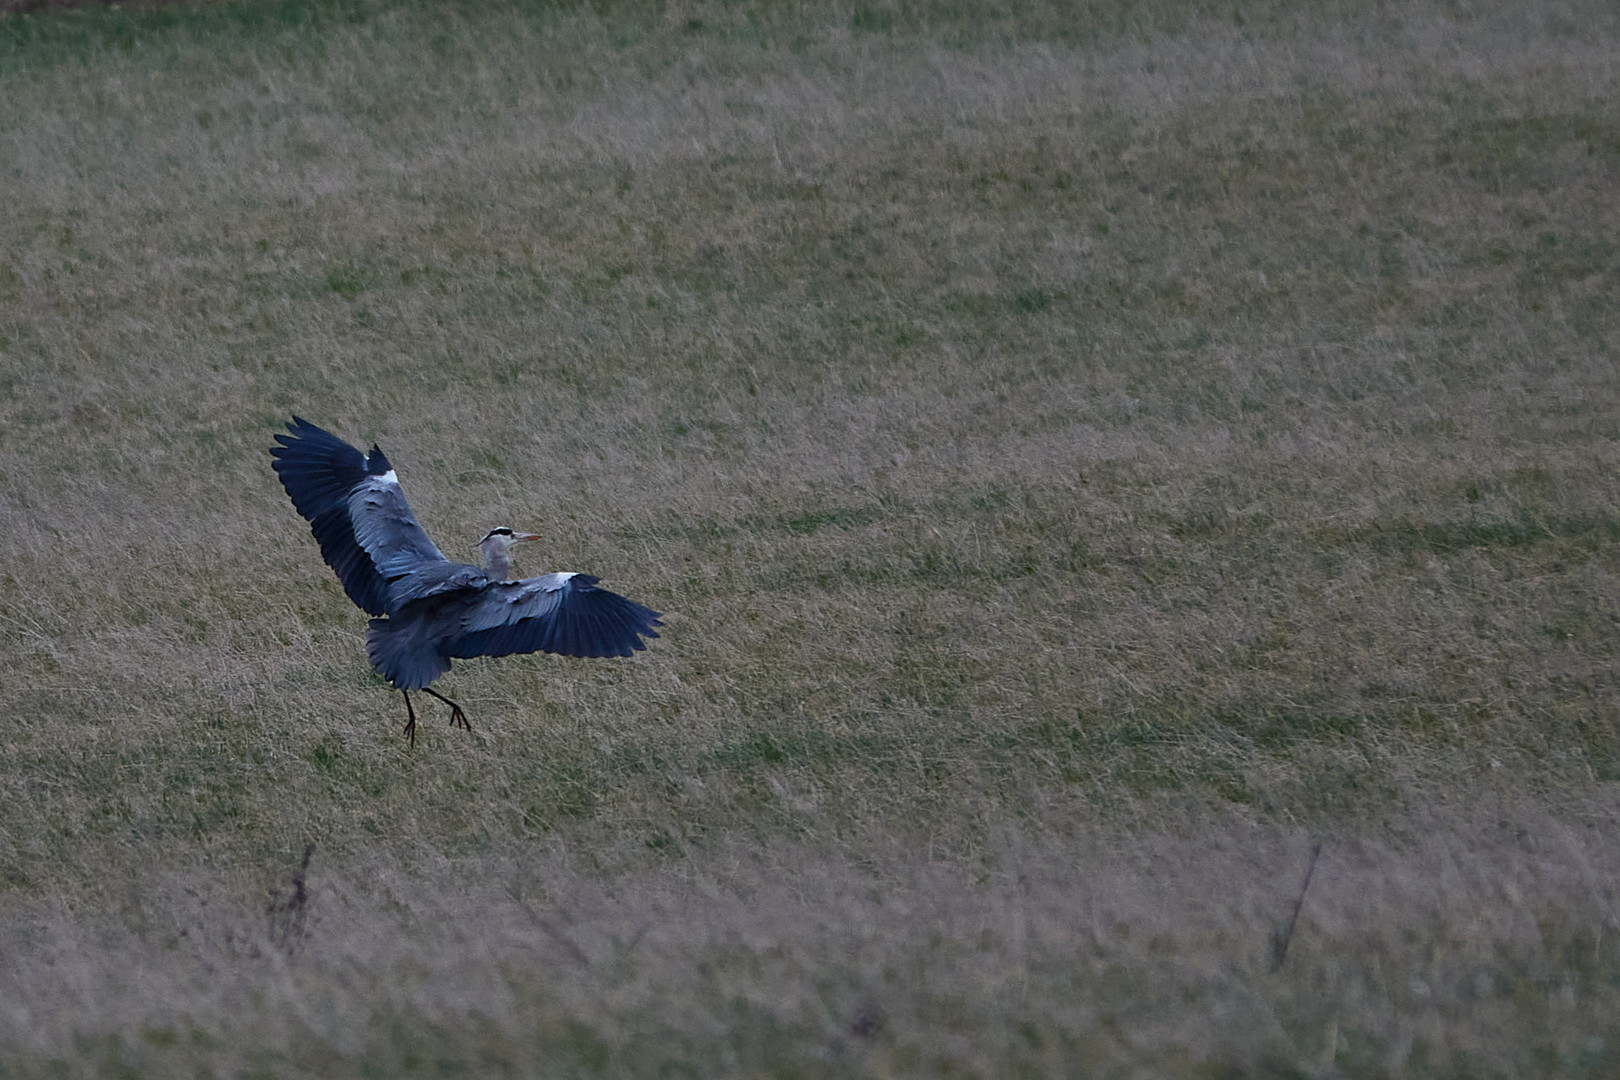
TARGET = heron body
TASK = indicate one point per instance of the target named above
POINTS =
(428, 609)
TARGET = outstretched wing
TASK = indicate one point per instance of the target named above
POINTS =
(556, 613)
(355, 508)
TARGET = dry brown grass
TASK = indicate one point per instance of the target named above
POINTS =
(1088, 456)
(1439, 958)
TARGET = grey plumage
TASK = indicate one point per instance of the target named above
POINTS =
(431, 610)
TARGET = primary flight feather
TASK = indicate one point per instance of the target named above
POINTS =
(430, 609)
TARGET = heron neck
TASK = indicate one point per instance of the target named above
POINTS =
(498, 562)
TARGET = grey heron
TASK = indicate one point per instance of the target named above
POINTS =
(431, 610)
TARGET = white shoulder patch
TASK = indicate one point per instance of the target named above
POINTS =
(553, 582)
(389, 477)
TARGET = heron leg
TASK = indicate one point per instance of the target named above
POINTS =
(457, 717)
(410, 725)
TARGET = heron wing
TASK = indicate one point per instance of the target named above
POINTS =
(556, 613)
(356, 510)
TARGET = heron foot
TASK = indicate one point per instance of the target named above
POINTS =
(457, 717)
(410, 725)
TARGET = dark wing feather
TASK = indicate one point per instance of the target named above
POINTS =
(354, 506)
(556, 613)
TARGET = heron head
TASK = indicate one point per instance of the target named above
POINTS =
(496, 547)
(503, 537)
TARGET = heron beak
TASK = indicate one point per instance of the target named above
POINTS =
(518, 537)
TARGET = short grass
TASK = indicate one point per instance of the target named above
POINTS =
(1089, 454)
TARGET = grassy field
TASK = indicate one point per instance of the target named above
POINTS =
(1088, 455)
